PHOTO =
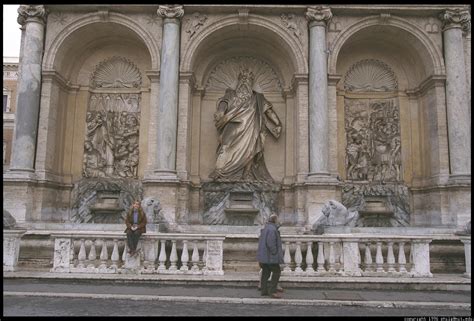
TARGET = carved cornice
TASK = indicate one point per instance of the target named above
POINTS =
(318, 16)
(171, 12)
(456, 18)
(31, 13)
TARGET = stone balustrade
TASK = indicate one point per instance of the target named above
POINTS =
(11, 249)
(466, 239)
(106, 252)
(356, 255)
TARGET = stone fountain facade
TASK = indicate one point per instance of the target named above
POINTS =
(119, 104)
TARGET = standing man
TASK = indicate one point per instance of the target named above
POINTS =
(136, 225)
(270, 256)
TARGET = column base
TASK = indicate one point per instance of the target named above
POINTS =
(322, 179)
(459, 179)
(166, 176)
(20, 174)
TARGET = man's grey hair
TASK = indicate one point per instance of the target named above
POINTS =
(273, 218)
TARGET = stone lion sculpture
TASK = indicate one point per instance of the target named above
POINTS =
(335, 214)
(152, 209)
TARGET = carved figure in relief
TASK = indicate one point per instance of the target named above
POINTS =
(242, 118)
(195, 23)
(93, 164)
(291, 25)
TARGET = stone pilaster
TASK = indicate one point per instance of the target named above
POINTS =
(167, 122)
(454, 22)
(32, 18)
(318, 18)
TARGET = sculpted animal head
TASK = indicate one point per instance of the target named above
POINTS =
(152, 208)
(335, 212)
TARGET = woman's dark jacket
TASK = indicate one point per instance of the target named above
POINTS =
(141, 220)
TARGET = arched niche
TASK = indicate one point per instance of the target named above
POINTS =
(262, 48)
(67, 70)
(416, 66)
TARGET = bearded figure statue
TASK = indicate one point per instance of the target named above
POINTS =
(242, 119)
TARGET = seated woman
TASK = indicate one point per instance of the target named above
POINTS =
(136, 225)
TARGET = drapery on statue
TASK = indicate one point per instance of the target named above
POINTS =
(241, 119)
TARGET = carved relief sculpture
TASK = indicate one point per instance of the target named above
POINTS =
(242, 118)
(195, 22)
(290, 24)
(372, 126)
(112, 121)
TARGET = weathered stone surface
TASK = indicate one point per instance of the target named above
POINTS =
(216, 200)
(8, 220)
(86, 195)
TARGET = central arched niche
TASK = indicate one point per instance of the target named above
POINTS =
(230, 45)
(214, 65)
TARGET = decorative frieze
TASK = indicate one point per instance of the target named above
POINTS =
(58, 18)
(289, 21)
(226, 73)
(194, 23)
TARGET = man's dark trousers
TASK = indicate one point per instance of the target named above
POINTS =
(269, 287)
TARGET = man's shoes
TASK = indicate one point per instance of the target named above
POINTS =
(276, 295)
(279, 289)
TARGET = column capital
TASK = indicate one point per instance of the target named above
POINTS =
(319, 15)
(456, 18)
(31, 13)
(171, 12)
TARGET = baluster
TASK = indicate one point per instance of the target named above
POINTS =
(71, 255)
(390, 258)
(104, 255)
(332, 257)
(204, 257)
(287, 258)
(401, 257)
(341, 257)
(151, 254)
(195, 257)
(184, 257)
(320, 258)
(298, 257)
(125, 250)
(173, 256)
(81, 257)
(309, 258)
(368, 258)
(115, 255)
(162, 257)
(92, 255)
(379, 258)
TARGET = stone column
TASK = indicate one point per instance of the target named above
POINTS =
(168, 100)
(455, 21)
(33, 19)
(318, 18)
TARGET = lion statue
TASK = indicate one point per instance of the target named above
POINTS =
(152, 209)
(335, 214)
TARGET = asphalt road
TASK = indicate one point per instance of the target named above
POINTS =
(51, 306)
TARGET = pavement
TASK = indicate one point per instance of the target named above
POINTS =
(440, 292)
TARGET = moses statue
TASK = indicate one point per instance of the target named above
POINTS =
(242, 119)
